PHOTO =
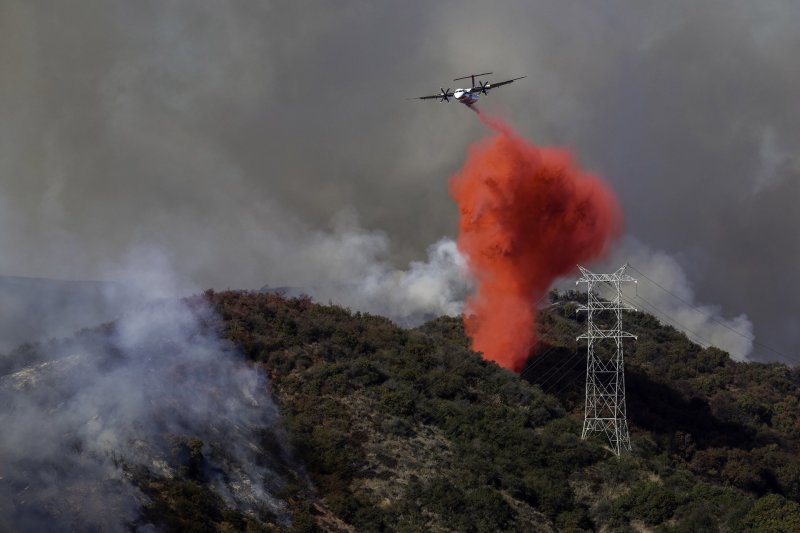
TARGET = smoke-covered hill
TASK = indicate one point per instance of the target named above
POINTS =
(246, 411)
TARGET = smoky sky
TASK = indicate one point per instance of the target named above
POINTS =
(231, 134)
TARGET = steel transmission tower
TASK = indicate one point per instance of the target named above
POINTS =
(605, 376)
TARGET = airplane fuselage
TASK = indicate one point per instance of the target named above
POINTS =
(465, 97)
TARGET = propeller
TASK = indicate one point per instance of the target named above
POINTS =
(483, 87)
(445, 94)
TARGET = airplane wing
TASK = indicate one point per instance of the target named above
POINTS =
(443, 96)
(488, 86)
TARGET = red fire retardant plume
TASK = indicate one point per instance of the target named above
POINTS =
(527, 215)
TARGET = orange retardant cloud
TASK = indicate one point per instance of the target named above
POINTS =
(527, 215)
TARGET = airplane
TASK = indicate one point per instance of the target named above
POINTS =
(468, 97)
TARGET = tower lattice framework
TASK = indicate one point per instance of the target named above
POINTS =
(605, 410)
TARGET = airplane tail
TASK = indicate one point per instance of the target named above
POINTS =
(473, 76)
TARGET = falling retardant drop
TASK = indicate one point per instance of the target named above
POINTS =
(527, 216)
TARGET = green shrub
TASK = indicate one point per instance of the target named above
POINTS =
(647, 501)
(773, 514)
(469, 510)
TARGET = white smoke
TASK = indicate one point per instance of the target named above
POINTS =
(350, 266)
(74, 411)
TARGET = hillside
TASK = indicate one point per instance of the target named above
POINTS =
(382, 428)
(409, 430)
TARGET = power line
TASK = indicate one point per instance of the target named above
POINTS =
(538, 358)
(566, 386)
(553, 372)
(712, 317)
(699, 339)
(548, 388)
(551, 375)
(541, 357)
(667, 318)
(707, 315)
(705, 343)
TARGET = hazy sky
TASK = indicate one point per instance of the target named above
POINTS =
(229, 135)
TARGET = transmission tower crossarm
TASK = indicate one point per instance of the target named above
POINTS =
(608, 306)
(606, 334)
